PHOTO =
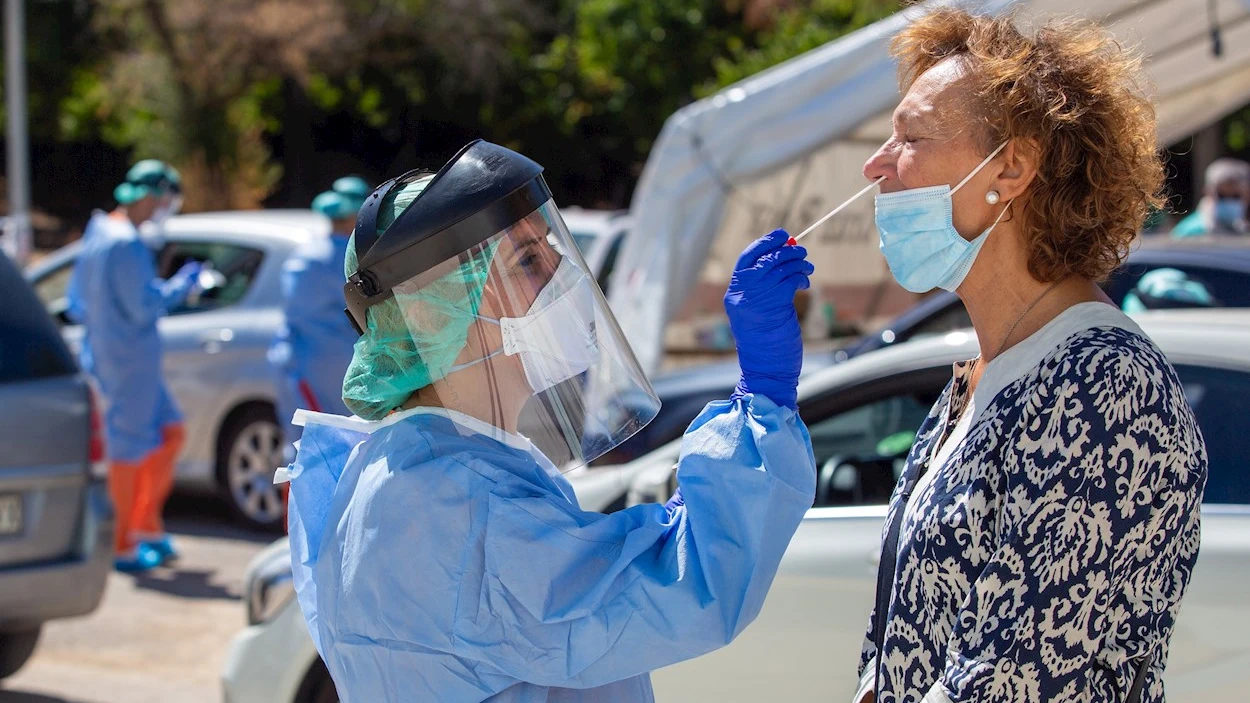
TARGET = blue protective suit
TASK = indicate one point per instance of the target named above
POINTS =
(435, 564)
(314, 344)
(115, 294)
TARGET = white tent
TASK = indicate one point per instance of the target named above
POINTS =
(782, 147)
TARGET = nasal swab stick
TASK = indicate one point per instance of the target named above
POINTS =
(838, 209)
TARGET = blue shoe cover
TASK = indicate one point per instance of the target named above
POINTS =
(144, 559)
(164, 548)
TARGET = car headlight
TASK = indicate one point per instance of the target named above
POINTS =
(269, 592)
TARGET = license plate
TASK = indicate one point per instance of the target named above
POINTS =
(10, 514)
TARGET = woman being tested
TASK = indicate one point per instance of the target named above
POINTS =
(438, 552)
(1046, 524)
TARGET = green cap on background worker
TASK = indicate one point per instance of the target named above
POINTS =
(342, 202)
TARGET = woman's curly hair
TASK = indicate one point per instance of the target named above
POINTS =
(1073, 93)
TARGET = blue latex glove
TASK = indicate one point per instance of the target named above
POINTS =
(185, 276)
(760, 305)
(180, 285)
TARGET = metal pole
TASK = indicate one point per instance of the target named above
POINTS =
(17, 230)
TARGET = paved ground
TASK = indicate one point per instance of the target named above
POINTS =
(156, 638)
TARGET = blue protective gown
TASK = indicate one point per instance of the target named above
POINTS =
(438, 564)
(314, 344)
(115, 294)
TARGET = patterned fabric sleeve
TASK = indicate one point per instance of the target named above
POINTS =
(1100, 500)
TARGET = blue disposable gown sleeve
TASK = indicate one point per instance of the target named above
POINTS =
(575, 599)
(302, 291)
(75, 310)
(142, 297)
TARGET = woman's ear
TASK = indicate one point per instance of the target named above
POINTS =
(1019, 167)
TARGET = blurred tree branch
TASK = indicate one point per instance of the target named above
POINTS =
(582, 85)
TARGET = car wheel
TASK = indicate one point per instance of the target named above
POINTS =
(248, 453)
(317, 687)
(16, 649)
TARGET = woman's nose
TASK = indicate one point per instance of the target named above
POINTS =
(881, 163)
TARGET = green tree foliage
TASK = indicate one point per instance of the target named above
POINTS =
(189, 82)
(794, 29)
(582, 85)
(59, 38)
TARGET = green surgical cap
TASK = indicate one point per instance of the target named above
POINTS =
(148, 177)
(333, 206)
(412, 339)
(352, 187)
(344, 198)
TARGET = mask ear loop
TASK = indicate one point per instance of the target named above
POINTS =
(980, 166)
(977, 170)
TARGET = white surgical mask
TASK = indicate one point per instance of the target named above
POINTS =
(556, 338)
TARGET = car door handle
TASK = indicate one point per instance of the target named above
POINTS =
(213, 342)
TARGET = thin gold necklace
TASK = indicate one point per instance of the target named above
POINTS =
(1024, 314)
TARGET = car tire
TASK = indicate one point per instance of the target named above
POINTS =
(16, 649)
(249, 450)
(317, 686)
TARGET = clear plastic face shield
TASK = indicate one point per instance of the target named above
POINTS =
(514, 333)
(170, 205)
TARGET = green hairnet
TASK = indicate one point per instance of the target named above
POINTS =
(148, 177)
(333, 205)
(412, 339)
(344, 198)
(353, 187)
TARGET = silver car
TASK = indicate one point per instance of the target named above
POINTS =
(56, 523)
(599, 235)
(215, 347)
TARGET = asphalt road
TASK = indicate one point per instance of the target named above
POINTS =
(158, 637)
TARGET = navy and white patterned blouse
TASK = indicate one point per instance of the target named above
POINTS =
(1049, 553)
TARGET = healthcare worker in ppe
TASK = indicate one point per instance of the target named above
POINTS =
(314, 343)
(438, 552)
(115, 294)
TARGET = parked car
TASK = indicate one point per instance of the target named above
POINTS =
(598, 234)
(215, 347)
(806, 642)
(56, 522)
(862, 416)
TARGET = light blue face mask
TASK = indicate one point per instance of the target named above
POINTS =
(1229, 211)
(918, 236)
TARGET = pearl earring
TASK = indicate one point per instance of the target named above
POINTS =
(992, 197)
